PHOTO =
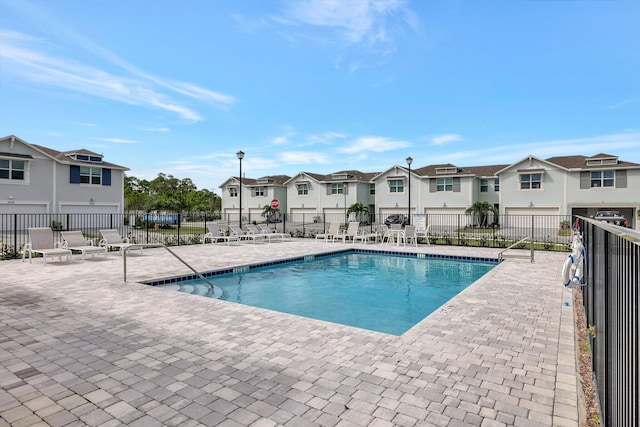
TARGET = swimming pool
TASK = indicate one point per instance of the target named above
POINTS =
(384, 293)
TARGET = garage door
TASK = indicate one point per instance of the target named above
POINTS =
(537, 218)
(447, 219)
(301, 215)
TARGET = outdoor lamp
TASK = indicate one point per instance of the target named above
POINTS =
(409, 161)
(240, 155)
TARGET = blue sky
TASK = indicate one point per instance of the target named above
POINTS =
(179, 87)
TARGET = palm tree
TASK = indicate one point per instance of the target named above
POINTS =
(481, 210)
(359, 209)
(270, 213)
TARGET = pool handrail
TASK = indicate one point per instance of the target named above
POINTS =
(160, 245)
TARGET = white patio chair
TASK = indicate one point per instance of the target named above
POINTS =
(112, 239)
(409, 234)
(334, 229)
(265, 229)
(215, 234)
(41, 242)
(75, 241)
(351, 232)
(236, 230)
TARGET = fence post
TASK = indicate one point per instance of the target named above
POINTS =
(533, 218)
(15, 232)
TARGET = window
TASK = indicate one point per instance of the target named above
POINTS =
(233, 191)
(90, 175)
(445, 184)
(12, 169)
(337, 188)
(303, 189)
(396, 186)
(496, 184)
(530, 181)
(258, 192)
(372, 189)
(484, 185)
(602, 179)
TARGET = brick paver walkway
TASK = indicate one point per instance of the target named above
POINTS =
(80, 347)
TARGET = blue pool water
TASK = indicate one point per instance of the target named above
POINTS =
(377, 292)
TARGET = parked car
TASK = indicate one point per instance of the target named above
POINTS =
(396, 219)
(612, 217)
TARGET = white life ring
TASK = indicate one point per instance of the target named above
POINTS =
(568, 271)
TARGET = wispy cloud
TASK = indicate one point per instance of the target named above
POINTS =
(446, 138)
(620, 104)
(376, 144)
(304, 157)
(292, 137)
(613, 143)
(120, 140)
(369, 25)
(24, 59)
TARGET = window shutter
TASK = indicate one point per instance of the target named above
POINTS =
(433, 185)
(106, 177)
(621, 178)
(585, 180)
(456, 185)
(328, 189)
(74, 174)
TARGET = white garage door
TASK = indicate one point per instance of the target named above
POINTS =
(301, 215)
(447, 219)
(538, 218)
(23, 208)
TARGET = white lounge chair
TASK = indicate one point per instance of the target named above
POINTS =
(409, 234)
(334, 229)
(366, 235)
(351, 232)
(236, 230)
(424, 232)
(113, 239)
(215, 234)
(271, 233)
(75, 241)
(41, 242)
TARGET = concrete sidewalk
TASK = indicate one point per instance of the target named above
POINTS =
(80, 347)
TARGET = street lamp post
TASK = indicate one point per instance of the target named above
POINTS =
(344, 192)
(409, 161)
(240, 155)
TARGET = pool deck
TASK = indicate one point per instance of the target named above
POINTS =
(78, 346)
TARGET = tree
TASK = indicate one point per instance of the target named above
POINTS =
(359, 209)
(270, 213)
(481, 211)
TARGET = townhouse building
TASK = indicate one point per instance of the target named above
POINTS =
(39, 180)
(256, 194)
(563, 185)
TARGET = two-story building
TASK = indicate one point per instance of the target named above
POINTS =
(256, 194)
(38, 179)
(328, 196)
(563, 185)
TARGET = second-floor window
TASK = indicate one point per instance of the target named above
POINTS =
(496, 184)
(90, 175)
(530, 181)
(303, 189)
(12, 169)
(484, 185)
(396, 186)
(258, 192)
(372, 189)
(602, 179)
(233, 191)
(337, 188)
(445, 184)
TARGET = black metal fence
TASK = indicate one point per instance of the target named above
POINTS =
(612, 304)
(549, 232)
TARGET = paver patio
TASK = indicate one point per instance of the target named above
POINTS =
(80, 347)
